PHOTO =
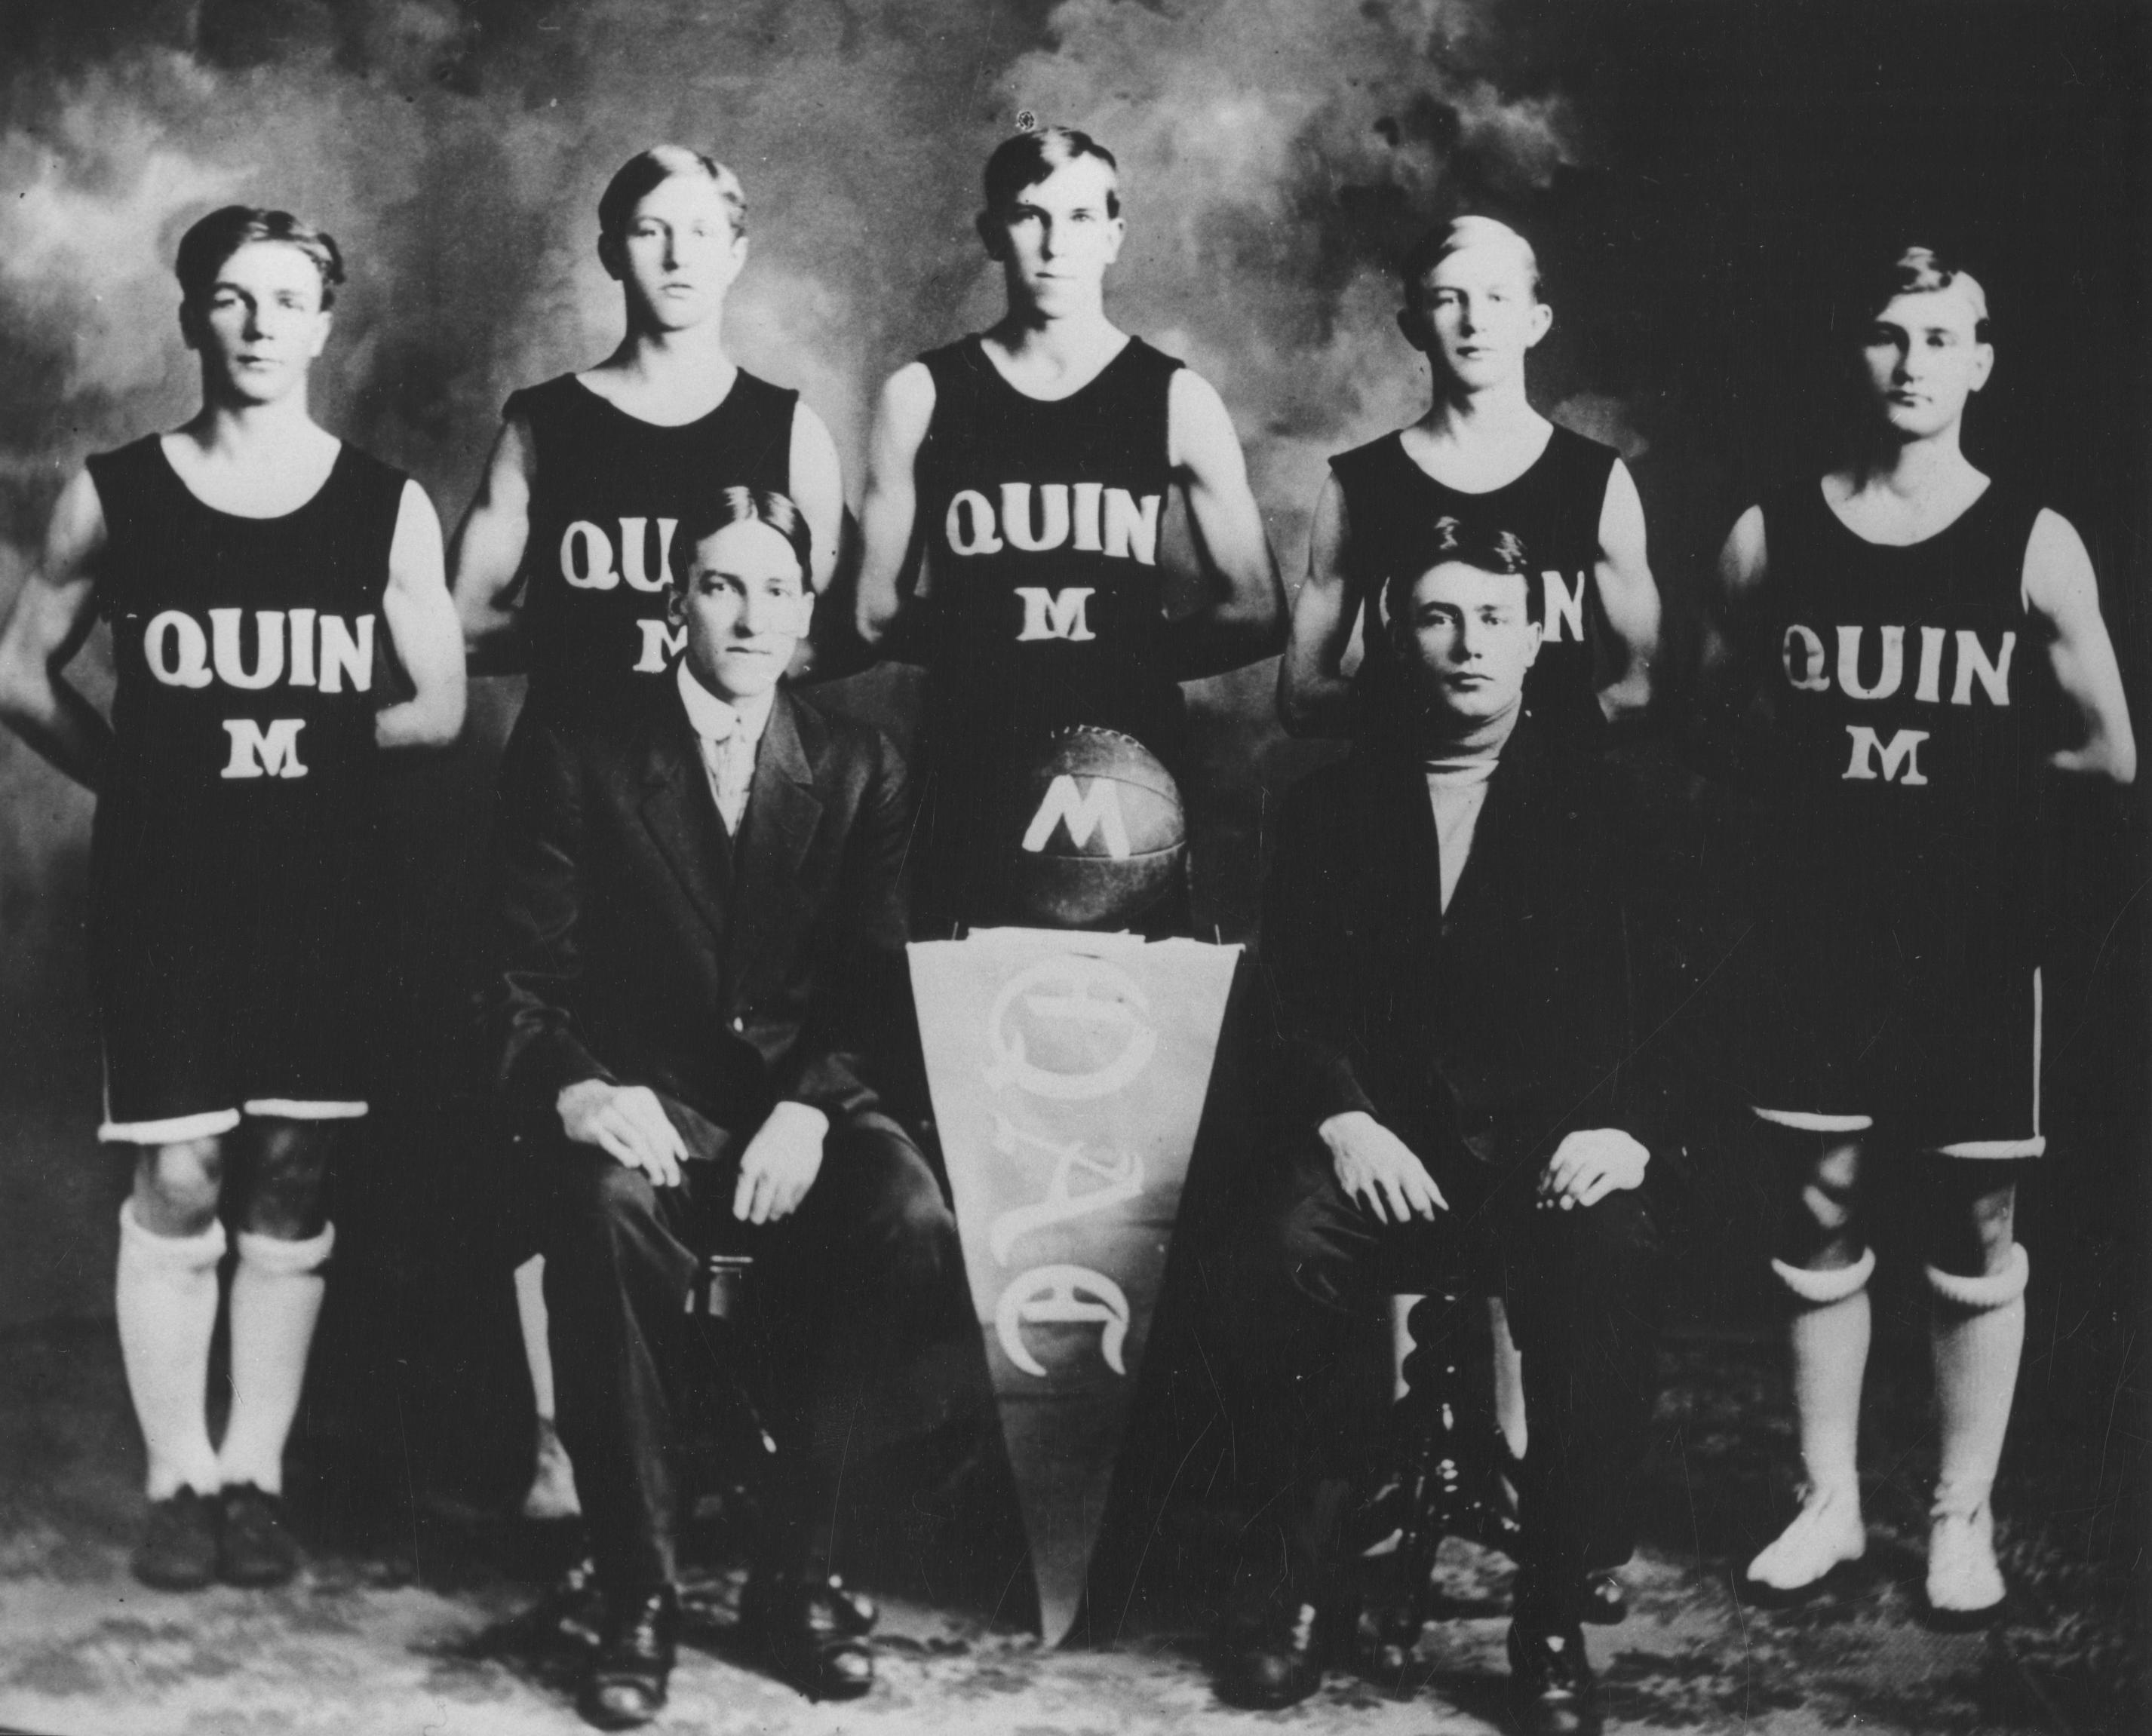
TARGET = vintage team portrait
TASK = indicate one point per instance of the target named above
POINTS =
(1038, 864)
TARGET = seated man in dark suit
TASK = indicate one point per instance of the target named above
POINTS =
(702, 909)
(1473, 937)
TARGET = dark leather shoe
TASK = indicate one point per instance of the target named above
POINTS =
(815, 1633)
(634, 1662)
(1280, 1662)
(1551, 1690)
(253, 1546)
(178, 1552)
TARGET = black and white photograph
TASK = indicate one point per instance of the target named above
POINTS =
(1067, 864)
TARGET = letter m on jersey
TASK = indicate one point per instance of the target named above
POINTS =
(1083, 812)
(1055, 614)
(260, 753)
(1901, 755)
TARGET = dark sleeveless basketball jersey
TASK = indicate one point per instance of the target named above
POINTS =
(1914, 706)
(1391, 507)
(608, 496)
(247, 652)
(1041, 522)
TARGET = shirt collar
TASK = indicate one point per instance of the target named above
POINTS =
(712, 718)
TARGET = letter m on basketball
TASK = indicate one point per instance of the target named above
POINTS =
(259, 753)
(1083, 813)
(1055, 614)
(1902, 753)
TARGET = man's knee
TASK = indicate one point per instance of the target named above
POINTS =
(178, 1186)
(905, 1230)
(597, 1205)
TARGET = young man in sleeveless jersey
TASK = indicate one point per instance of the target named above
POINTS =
(1029, 466)
(563, 565)
(1926, 647)
(247, 564)
(1483, 455)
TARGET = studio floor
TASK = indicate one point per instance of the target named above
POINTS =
(418, 1621)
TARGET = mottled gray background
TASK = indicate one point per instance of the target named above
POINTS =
(1689, 168)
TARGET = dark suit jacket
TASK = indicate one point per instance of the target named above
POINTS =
(641, 945)
(1547, 999)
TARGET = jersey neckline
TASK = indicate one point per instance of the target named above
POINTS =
(1988, 493)
(172, 470)
(1554, 433)
(599, 397)
(977, 342)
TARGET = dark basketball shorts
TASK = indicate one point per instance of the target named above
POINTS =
(232, 993)
(1920, 1027)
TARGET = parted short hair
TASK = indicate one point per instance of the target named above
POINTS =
(1027, 158)
(713, 513)
(1453, 541)
(1473, 230)
(1911, 271)
(649, 168)
(204, 248)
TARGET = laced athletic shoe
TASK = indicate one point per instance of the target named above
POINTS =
(254, 1547)
(1964, 1583)
(178, 1552)
(1825, 1534)
(552, 1493)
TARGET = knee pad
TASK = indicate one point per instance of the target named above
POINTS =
(285, 1258)
(1818, 1289)
(177, 1253)
(1989, 1290)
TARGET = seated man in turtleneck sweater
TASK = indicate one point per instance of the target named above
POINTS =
(1475, 940)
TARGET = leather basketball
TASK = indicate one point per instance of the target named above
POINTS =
(1104, 835)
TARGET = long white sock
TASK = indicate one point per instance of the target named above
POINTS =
(1978, 1335)
(275, 1299)
(164, 1296)
(1829, 1339)
(537, 1348)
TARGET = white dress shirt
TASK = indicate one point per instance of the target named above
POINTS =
(729, 732)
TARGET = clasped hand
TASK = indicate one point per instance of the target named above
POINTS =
(629, 1122)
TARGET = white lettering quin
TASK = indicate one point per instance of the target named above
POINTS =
(1564, 607)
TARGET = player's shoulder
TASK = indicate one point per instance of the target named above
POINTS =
(754, 394)
(1146, 361)
(546, 399)
(1369, 458)
(1590, 462)
(127, 466)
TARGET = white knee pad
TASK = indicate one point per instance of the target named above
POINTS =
(169, 1253)
(287, 1259)
(1990, 1290)
(1818, 1289)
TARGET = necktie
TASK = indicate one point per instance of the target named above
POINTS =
(729, 758)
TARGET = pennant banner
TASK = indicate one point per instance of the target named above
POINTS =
(1068, 1073)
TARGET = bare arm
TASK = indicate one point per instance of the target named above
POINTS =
(817, 490)
(422, 626)
(1629, 597)
(1314, 696)
(54, 614)
(1244, 620)
(888, 562)
(2061, 588)
(488, 552)
(1727, 673)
